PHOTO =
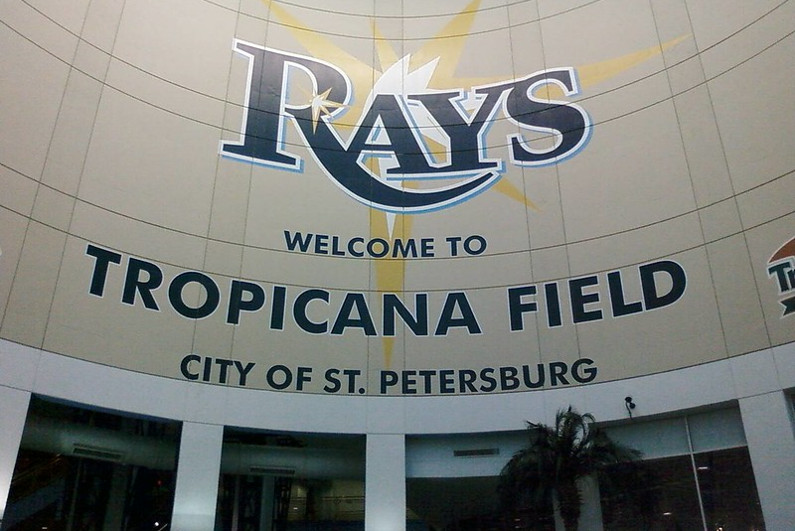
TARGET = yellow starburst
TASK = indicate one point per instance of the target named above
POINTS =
(446, 48)
(321, 104)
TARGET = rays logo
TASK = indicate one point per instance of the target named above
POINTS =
(412, 148)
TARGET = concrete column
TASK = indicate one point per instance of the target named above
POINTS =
(591, 510)
(385, 483)
(13, 411)
(768, 423)
(198, 469)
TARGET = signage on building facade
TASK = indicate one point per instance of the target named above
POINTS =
(452, 205)
(277, 308)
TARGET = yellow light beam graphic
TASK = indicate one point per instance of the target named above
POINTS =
(362, 75)
(447, 45)
(386, 55)
(596, 73)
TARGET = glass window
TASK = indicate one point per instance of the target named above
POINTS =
(657, 494)
(452, 483)
(656, 438)
(716, 430)
(662, 494)
(291, 481)
(85, 469)
(728, 490)
(468, 503)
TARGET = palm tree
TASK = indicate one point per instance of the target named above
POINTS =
(555, 458)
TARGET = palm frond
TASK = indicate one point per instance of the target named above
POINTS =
(555, 459)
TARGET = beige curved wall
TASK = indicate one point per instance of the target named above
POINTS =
(652, 239)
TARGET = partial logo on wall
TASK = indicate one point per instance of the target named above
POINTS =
(781, 268)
